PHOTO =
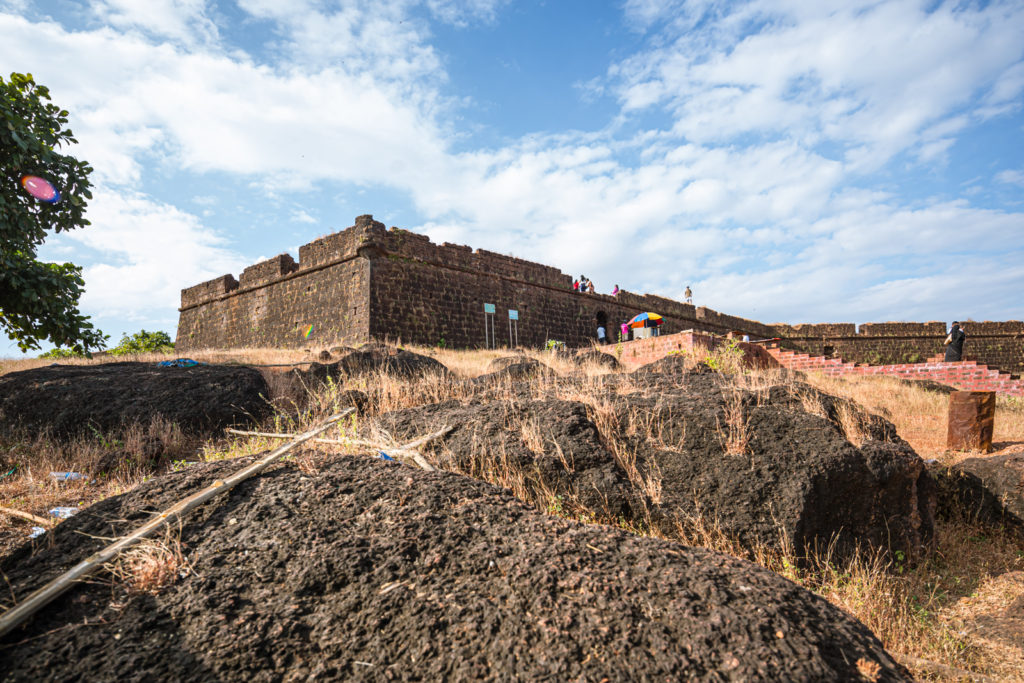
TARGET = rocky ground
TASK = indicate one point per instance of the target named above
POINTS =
(378, 571)
(348, 566)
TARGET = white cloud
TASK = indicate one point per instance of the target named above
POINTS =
(300, 216)
(1011, 177)
(871, 76)
(184, 21)
(150, 252)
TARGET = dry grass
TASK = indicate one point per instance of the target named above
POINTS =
(939, 611)
(735, 436)
(151, 564)
(919, 415)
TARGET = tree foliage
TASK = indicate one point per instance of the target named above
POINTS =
(39, 301)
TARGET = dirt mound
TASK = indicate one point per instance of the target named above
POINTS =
(756, 463)
(376, 571)
(73, 399)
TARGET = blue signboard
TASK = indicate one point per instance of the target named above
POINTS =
(488, 308)
(513, 315)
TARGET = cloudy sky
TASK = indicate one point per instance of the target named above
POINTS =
(791, 161)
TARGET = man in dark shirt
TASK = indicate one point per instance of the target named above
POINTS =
(955, 343)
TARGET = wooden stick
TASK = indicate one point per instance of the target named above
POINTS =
(27, 516)
(40, 598)
(406, 450)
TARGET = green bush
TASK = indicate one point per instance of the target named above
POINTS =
(62, 353)
(143, 342)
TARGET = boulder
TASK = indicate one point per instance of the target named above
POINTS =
(790, 470)
(595, 357)
(524, 368)
(986, 489)
(374, 570)
(370, 359)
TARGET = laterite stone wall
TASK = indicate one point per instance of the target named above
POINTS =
(368, 282)
(996, 344)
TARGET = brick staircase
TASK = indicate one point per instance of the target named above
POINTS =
(967, 375)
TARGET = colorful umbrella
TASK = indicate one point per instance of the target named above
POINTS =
(646, 320)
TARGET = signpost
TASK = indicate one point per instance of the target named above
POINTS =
(513, 317)
(489, 341)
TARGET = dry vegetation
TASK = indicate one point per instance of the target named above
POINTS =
(936, 617)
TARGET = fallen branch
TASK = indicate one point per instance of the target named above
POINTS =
(40, 598)
(406, 450)
(27, 516)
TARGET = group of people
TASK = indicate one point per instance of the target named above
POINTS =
(587, 286)
(583, 285)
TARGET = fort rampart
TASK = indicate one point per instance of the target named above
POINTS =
(368, 282)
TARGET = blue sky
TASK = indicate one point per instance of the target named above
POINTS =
(790, 161)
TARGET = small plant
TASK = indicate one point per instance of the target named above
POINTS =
(553, 344)
(726, 358)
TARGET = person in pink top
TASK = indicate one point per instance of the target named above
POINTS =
(615, 292)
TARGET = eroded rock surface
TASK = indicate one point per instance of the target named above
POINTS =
(68, 400)
(375, 571)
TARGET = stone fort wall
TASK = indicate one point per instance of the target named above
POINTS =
(996, 344)
(368, 282)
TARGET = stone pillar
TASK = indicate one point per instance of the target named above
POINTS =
(971, 417)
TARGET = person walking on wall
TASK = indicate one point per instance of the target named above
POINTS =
(590, 287)
(955, 343)
(615, 292)
(575, 285)
(688, 294)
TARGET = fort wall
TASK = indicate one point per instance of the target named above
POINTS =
(368, 282)
(996, 344)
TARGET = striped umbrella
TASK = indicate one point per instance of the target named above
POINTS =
(646, 320)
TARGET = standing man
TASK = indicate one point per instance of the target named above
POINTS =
(688, 294)
(955, 343)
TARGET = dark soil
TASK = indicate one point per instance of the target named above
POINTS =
(798, 476)
(70, 400)
(375, 571)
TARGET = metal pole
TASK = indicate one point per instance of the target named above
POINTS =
(487, 340)
(510, 333)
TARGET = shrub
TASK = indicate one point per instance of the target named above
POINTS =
(143, 342)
